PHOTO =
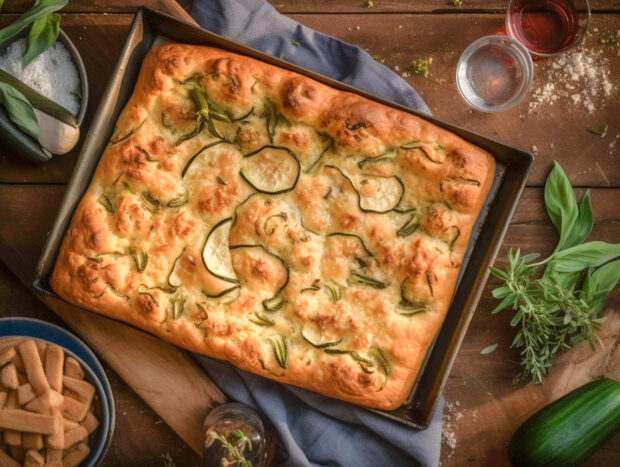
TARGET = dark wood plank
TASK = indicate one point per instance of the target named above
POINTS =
(141, 435)
(558, 132)
(310, 6)
(101, 6)
(407, 6)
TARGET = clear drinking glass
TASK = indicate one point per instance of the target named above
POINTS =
(494, 73)
(548, 27)
(234, 435)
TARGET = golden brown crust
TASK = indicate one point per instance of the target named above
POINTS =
(328, 291)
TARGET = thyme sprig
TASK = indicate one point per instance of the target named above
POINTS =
(556, 301)
(233, 447)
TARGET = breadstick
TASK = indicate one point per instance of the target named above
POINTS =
(17, 361)
(76, 455)
(74, 410)
(82, 389)
(33, 459)
(6, 355)
(8, 461)
(74, 436)
(25, 394)
(73, 369)
(32, 441)
(90, 422)
(11, 401)
(8, 376)
(56, 440)
(34, 368)
(54, 358)
(69, 424)
(3, 396)
(22, 420)
(12, 438)
(46, 403)
(53, 456)
(41, 348)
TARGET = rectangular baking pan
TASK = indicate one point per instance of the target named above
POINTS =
(150, 27)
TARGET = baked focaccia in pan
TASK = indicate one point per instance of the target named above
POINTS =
(252, 214)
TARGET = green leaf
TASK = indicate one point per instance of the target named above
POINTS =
(560, 202)
(41, 7)
(582, 225)
(498, 273)
(516, 318)
(586, 255)
(42, 35)
(598, 284)
(505, 302)
(489, 349)
(501, 292)
(19, 109)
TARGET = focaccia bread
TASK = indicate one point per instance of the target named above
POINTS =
(249, 213)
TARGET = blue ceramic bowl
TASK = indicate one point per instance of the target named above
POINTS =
(94, 373)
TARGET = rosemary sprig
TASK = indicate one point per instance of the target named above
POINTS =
(556, 301)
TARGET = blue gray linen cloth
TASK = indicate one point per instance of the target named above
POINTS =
(316, 430)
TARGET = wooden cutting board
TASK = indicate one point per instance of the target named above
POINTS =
(177, 389)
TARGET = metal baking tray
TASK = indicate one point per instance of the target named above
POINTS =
(150, 27)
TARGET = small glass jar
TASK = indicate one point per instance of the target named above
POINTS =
(234, 436)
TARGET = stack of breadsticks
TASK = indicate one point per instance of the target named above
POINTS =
(45, 406)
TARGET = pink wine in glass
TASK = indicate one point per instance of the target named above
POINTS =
(547, 27)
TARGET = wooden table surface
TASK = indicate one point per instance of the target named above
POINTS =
(484, 407)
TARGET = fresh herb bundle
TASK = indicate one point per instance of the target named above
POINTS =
(556, 301)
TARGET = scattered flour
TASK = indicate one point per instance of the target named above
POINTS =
(452, 414)
(581, 75)
(52, 73)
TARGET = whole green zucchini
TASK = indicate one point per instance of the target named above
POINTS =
(570, 429)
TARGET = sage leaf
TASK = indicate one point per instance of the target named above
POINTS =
(586, 255)
(583, 223)
(560, 202)
(41, 7)
(489, 349)
(43, 33)
(19, 109)
(599, 283)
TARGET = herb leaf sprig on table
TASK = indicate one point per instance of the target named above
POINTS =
(42, 35)
(556, 301)
(40, 8)
(19, 109)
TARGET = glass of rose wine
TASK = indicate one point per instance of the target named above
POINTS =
(548, 27)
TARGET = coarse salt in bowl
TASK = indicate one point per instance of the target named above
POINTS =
(51, 73)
